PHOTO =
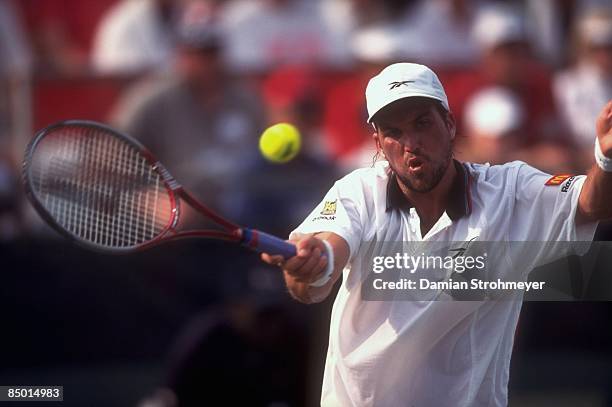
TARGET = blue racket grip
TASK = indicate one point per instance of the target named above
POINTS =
(265, 243)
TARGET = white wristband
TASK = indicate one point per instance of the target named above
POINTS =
(602, 161)
(329, 269)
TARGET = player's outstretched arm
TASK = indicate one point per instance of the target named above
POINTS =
(310, 264)
(595, 201)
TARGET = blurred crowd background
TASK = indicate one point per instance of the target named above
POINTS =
(197, 81)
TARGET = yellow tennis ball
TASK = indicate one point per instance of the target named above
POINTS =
(280, 143)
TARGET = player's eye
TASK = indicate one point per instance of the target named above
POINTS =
(391, 132)
(423, 123)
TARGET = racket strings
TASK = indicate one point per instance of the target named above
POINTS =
(100, 188)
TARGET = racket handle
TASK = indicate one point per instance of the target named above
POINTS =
(265, 243)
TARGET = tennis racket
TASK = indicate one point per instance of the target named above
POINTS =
(107, 192)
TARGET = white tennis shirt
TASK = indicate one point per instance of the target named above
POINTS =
(433, 353)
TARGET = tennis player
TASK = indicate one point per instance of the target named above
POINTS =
(429, 353)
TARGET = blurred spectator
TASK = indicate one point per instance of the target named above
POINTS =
(15, 70)
(439, 32)
(493, 120)
(15, 66)
(547, 17)
(61, 32)
(345, 17)
(507, 62)
(135, 36)
(14, 50)
(551, 22)
(348, 135)
(348, 16)
(581, 90)
(264, 34)
(200, 122)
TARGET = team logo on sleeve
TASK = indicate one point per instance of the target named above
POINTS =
(557, 179)
(328, 212)
(329, 208)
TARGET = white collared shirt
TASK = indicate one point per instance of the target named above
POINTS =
(432, 353)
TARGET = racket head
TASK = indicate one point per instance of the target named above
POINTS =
(99, 187)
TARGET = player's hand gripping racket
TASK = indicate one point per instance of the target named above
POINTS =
(107, 192)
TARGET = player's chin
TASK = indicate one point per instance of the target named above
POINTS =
(419, 182)
(422, 187)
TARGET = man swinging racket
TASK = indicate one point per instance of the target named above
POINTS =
(429, 353)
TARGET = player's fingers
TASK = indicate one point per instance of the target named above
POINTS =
(318, 269)
(606, 112)
(266, 258)
(307, 248)
(308, 269)
(296, 238)
(294, 264)
(306, 245)
(276, 260)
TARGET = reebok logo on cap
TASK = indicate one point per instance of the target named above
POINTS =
(396, 84)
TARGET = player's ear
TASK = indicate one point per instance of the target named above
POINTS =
(451, 124)
(376, 141)
(375, 137)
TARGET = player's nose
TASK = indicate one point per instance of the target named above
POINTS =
(410, 142)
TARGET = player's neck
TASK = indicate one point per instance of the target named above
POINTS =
(431, 205)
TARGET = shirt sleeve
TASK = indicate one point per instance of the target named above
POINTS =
(543, 220)
(545, 207)
(338, 213)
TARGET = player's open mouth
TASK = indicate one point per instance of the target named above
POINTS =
(415, 164)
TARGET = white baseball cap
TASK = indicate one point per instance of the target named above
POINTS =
(402, 80)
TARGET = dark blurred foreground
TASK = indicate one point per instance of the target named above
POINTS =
(113, 329)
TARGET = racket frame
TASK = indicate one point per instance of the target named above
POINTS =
(232, 232)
